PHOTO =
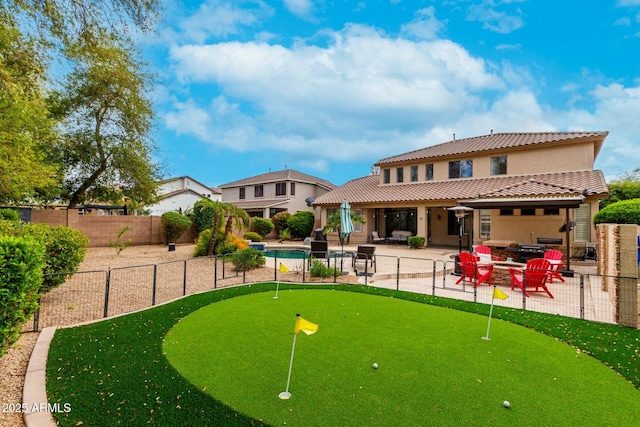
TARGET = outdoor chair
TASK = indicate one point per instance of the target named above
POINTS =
(486, 250)
(366, 254)
(555, 259)
(472, 272)
(534, 278)
(375, 238)
(319, 250)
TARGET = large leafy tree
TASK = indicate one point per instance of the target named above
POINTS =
(105, 118)
(25, 128)
(624, 188)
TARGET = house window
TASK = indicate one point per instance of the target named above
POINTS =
(399, 174)
(281, 188)
(582, 230)
(499, 165)
(552, 211)
(293, 189)
(428, 172)
(357, 227)
(414, 173)
(527, 212)
(241, 193)
(485, 224)
(506, 212)
(258, 191)
(461, 169)
(386, 176)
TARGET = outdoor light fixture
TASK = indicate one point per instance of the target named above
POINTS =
(460, 212)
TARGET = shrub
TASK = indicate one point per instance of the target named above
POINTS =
(203, 214)
(623, 212)
(254, 237)
(7, 228)
(119, 244)
(10, 215)
(319, 269)
(415, 241)
(262, 226)
(21, 264)
(280, 220)
(65, 249)
(285, 234)
(300, 224)
(174, 225)
(230, 245)
(248, 259)
(202, 244)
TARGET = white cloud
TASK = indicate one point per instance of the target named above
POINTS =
(494, 20)
(302, 9)
(424, 26)
(627, 3)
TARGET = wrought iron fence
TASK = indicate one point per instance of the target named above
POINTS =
(91, 295)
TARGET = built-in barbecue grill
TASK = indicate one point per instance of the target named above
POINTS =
(527, 251)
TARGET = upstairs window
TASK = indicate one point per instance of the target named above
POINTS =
(386, 176)
(281, 188)
(499, 165)
(293, 189)
(428, 172)
(241, 193)
(399, 174)
(414, 173)
(258, 191)
(461, 169)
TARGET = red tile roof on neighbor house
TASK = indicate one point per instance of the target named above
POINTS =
(283, 175)
(495, 141)
(368, 190)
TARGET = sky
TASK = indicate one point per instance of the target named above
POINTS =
(329, 87)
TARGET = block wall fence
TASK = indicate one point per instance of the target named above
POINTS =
(143, 230)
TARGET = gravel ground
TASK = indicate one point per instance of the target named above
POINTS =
(76, 301)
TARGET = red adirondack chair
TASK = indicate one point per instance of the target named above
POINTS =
(482, 249)
(554, 272)
(472, 272)
(533, 278)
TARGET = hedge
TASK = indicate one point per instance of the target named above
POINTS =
(301, 224)
(623, 212)
(174, 225)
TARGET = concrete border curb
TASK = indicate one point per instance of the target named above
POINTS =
(34, 391)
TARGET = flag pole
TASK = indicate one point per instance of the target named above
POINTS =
(285, 394)
(486, 337)
(277, 284)
(497, 293)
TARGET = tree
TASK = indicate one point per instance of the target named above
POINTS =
(234, 215)
(622, 212)
(25, 128)
(624, 188)
(106, 119)
(333, 224)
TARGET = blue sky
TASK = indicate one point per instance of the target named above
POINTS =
(330, 87)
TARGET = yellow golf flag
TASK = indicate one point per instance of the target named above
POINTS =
(283, 268)
(305, 326)
(497, 293)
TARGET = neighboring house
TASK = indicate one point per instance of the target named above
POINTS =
(267, 194)
(180, 194)
(522, 186)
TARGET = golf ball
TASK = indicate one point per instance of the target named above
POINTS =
(506, 404)
(375, 366)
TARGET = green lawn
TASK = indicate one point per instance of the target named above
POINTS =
(225, 364)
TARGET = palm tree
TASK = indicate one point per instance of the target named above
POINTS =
(234, 214)
(333, 224)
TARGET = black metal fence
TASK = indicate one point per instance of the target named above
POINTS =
(92, 295)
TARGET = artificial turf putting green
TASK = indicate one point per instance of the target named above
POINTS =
(434, 367)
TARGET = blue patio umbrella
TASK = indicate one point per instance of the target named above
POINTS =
(346, 226)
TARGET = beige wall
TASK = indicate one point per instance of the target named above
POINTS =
(144, 230)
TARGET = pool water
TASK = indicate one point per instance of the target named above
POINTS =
(287, 253)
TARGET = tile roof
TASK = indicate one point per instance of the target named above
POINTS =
(494, 141)
(287, 174)
(368, 190)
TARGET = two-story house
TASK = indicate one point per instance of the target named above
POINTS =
(521, 186)
(180, 194)
(267, 194)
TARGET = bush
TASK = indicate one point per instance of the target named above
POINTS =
(7, 228)
(10, 215)
(174, 225)
(65, 249)
(415, 241)
(248, 259)
(300, 224)
(21, 265)
(254, 237)
(230, 245)
(623, 212)
(280, 220)
(119, 245)
(319, 269)
(262, 226)
(285, 234)
(203, 214)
